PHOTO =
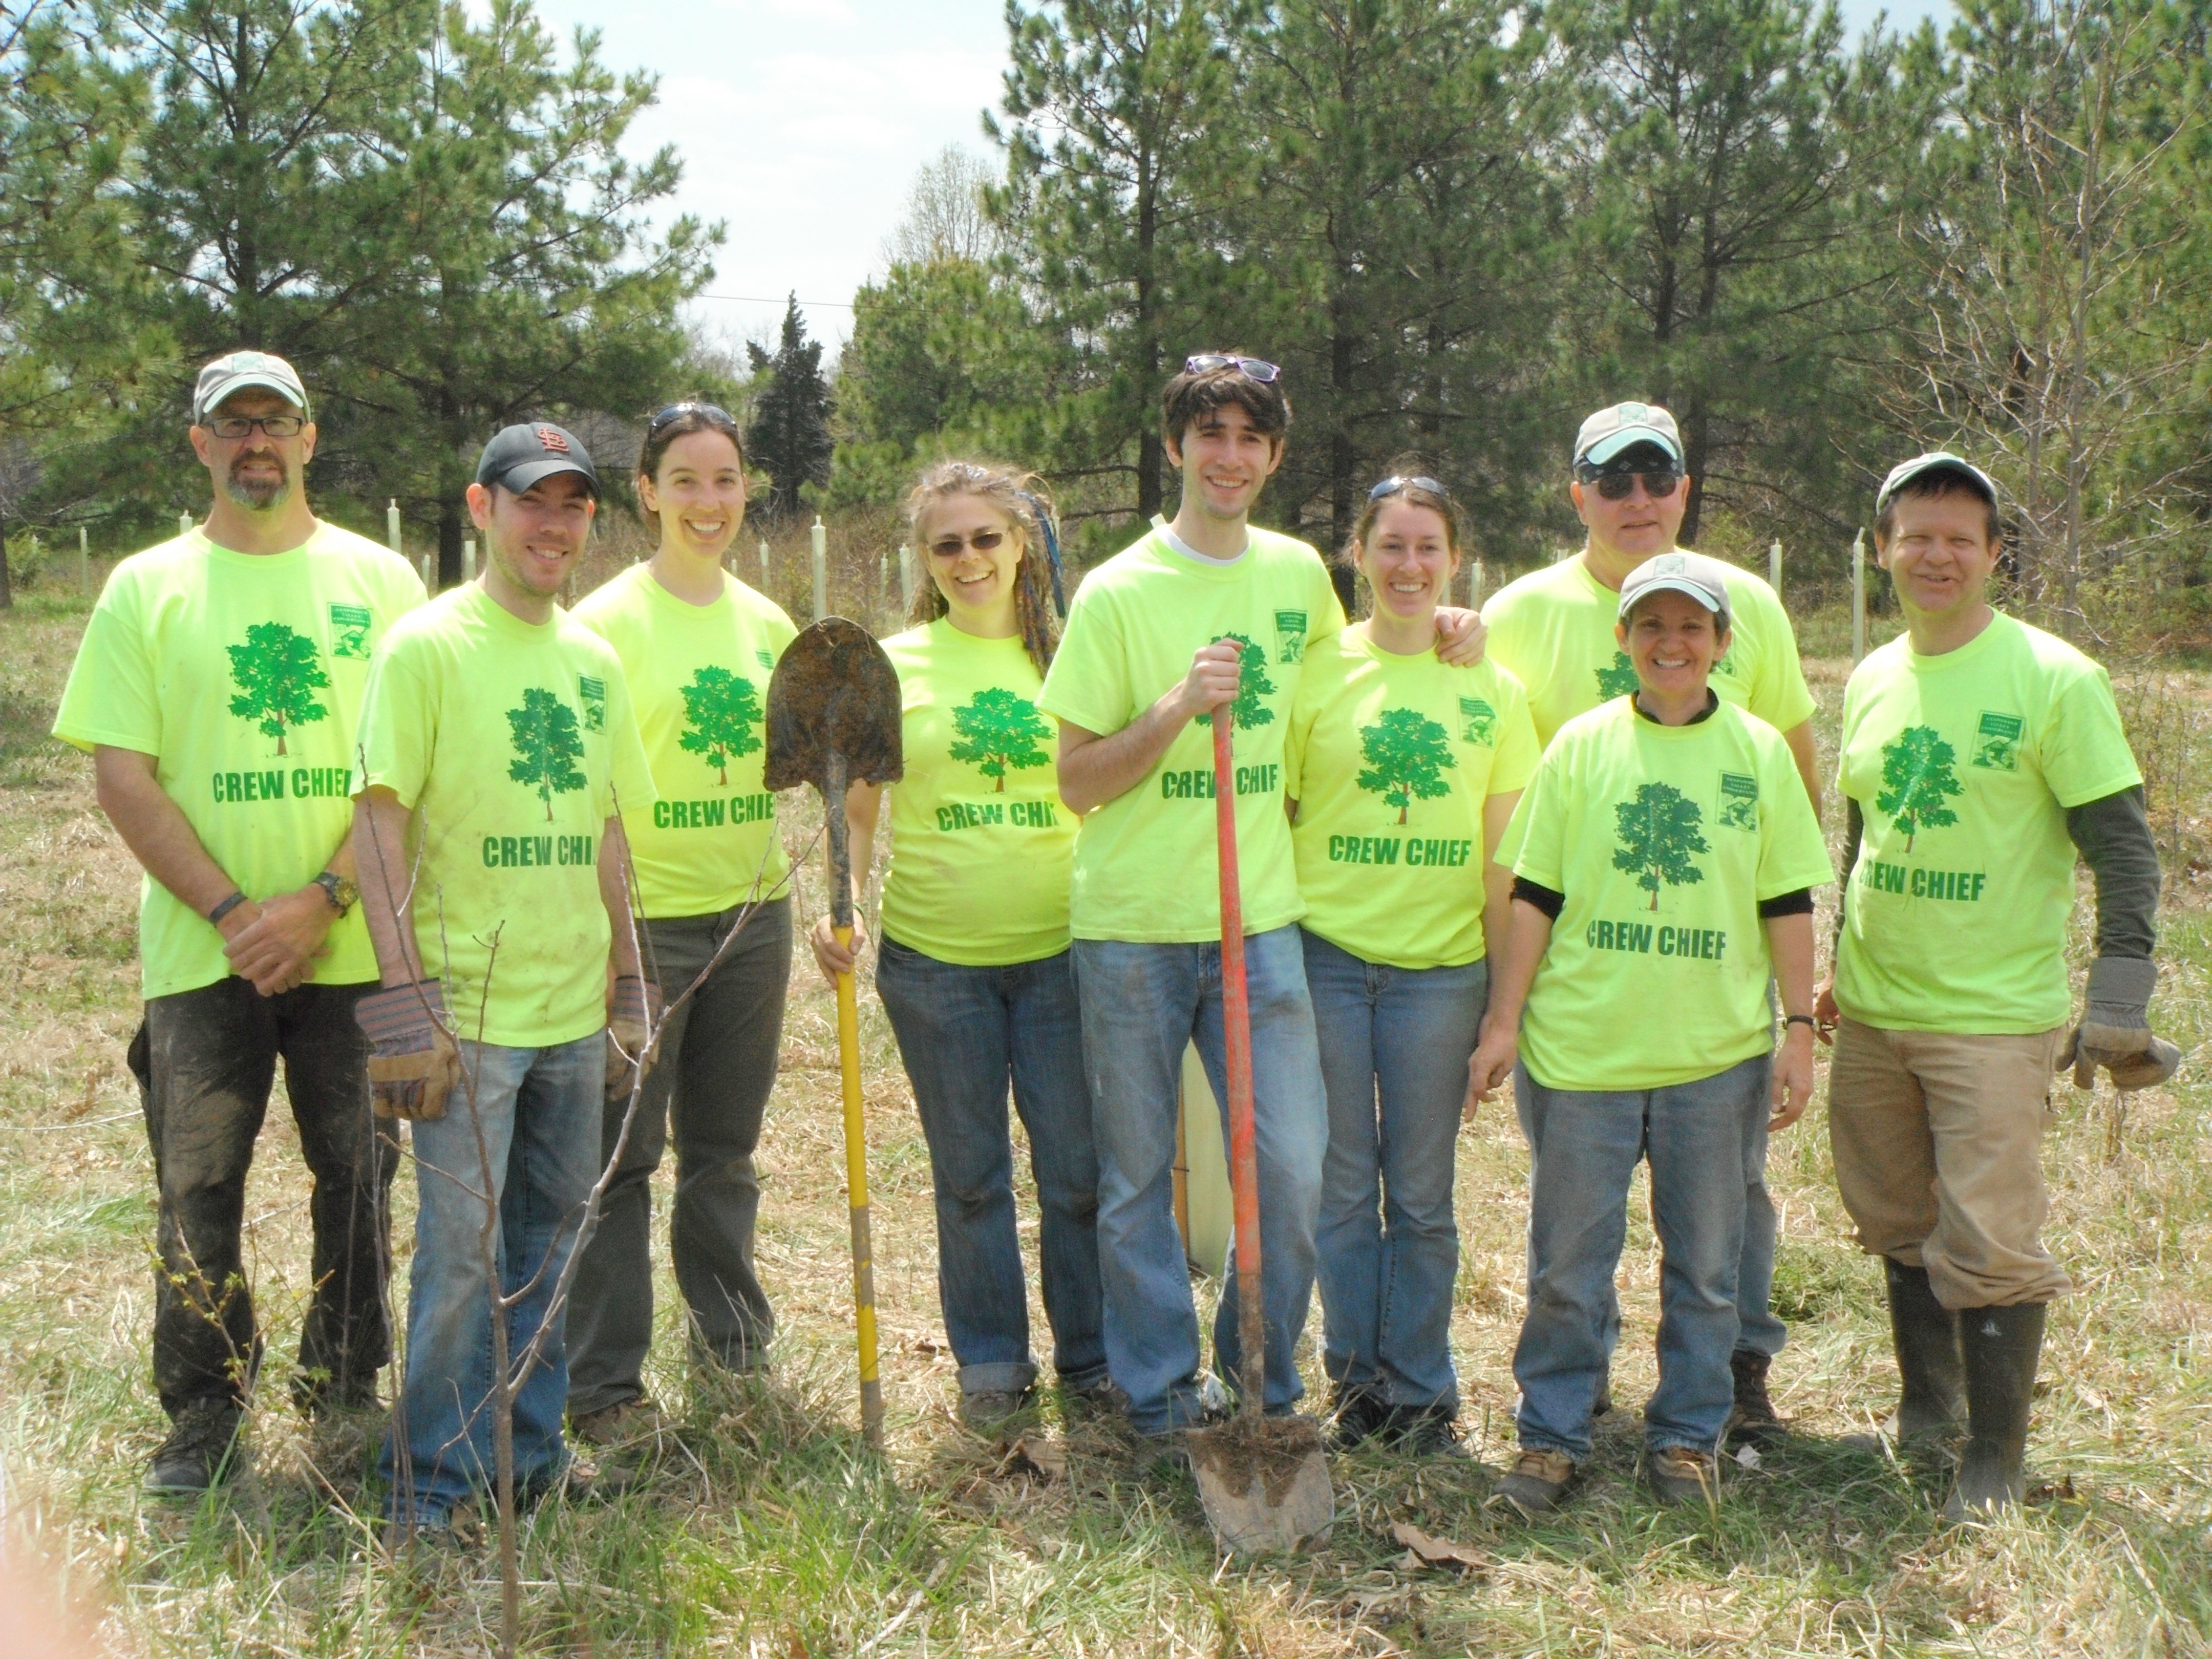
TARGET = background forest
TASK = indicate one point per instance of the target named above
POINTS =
(1458, 223)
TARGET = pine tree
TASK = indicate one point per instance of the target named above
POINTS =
(1916, 780)
(790, 432)
(277, 674)
(720, 714)
(1407, 755)
(547, 745)
(999, 732)
(1659, 838)
(1252, 684)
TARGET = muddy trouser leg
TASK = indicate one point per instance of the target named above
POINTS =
(204, 1060)
(348, 1336)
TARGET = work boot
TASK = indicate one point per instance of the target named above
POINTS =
(1932, 1402)
(2000, 1347)
(1358, 1416)
(1538, 1480)
(200, 1451)
(1753, 1420)
(1682, 1474)
(987, 1411)
(626, 1441)
(1426, 1431)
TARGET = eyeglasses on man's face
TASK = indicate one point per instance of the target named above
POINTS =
(234, 427)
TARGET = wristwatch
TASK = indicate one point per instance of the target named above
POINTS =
(341, 892)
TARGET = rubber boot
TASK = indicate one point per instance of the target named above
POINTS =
(2000, 1345)
(1932, 1402)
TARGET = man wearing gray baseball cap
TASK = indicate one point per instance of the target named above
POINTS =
(1978, 756)
(1554, 631)
(218, 688)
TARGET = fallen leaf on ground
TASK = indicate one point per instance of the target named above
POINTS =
(1427, 1552)
(1039, 1452)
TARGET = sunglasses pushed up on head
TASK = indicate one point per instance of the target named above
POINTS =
(714, 412)
(1253, 368)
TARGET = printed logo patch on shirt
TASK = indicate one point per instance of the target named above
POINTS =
(278, 672)
(1739, 801)
(999, 732)
(592, 693)
(1406, 755)
(547, 746)
(1290, 636)
(1996, 742)
(1477, 720)
(1659, 836)
(350, 625)
(766, 660)
(720, 713)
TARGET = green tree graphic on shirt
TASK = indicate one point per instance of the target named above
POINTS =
(547, 746)
(1915, 781)
(1618, 680)
(1000, 733)
(1659, 839)
(1252, 684)
(720, 714)
(277, 675)
(1406, 755)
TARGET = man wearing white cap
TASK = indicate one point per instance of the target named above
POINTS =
(1554, 631)
(1979, 755)
(218, 687)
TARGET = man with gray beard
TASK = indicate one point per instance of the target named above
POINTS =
(217, 689)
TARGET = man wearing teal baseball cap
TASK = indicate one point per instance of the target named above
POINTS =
(1979, 756)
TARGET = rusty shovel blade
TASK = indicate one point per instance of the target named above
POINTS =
(833, 691)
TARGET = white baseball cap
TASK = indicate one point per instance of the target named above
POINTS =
(1704, 580)
(1935, 460)
(1609, 431)
(235, 371)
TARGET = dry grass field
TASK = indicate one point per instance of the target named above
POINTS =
(777, 1532)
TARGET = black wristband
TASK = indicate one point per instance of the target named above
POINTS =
(224, 908)
(1801, 1019)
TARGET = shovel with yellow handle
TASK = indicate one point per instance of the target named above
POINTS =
(833, 720)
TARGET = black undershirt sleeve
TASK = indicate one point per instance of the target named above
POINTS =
(1854, 833)
(2113, 837)
(1798, 903)
(1549, 900)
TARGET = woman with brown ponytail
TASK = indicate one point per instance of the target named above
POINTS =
(974, 964)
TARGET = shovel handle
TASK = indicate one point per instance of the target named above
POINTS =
(856, 1143)
(1237, 1032)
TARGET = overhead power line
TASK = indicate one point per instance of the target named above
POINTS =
(768, 300)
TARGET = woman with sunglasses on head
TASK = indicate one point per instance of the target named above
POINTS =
(1401, 773)
(974, 964)
(697, 646)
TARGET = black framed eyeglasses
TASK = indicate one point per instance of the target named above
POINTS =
(713, 412)
(234, 427)
(1392, 485)
(1253, 368)
(1659, 483)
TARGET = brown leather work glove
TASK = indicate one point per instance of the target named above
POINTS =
(633, 1031)
(413, 1061)
(2115, 1030)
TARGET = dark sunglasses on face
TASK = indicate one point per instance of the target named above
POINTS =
(1421, 481)
(238, 426)
(1253, 368)
(1615, 486)
(713, 412)
(952, 546)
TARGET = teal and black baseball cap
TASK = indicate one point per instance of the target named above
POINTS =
(1611, 432)
(531, 452)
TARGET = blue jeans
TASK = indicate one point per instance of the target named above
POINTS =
(964, 1033)
(1584, 1147)
(1395, 1043)
(538, 1111)
(1141, 1005)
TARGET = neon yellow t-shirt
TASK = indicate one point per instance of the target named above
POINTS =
(698, 677)
(513, 742)
(1665, 840)
(982, 844)
(1145, 862)
(242, 674)
(1553, 630)
(1390, 759)
(1964, 766)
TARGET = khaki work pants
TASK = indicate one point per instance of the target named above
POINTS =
(1937, 1146)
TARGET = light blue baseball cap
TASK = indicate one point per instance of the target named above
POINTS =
(1609, 431)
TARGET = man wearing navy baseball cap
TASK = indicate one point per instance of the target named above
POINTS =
(1978, 756)
(497, 737)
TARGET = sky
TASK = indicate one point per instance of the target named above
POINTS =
(801, 124)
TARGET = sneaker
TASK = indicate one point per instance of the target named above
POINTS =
(1682, 1474)
(987, 1410)
(1360, 1416)
(1538, 1480)
(200, 1451)
(1753, 1420)
(1426, 1431)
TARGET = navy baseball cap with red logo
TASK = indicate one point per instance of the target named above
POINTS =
(522, 455)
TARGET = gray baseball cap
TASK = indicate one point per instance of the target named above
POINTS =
(1609, 431)
(1935, 460)
(1704, 580)
(235, 371)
